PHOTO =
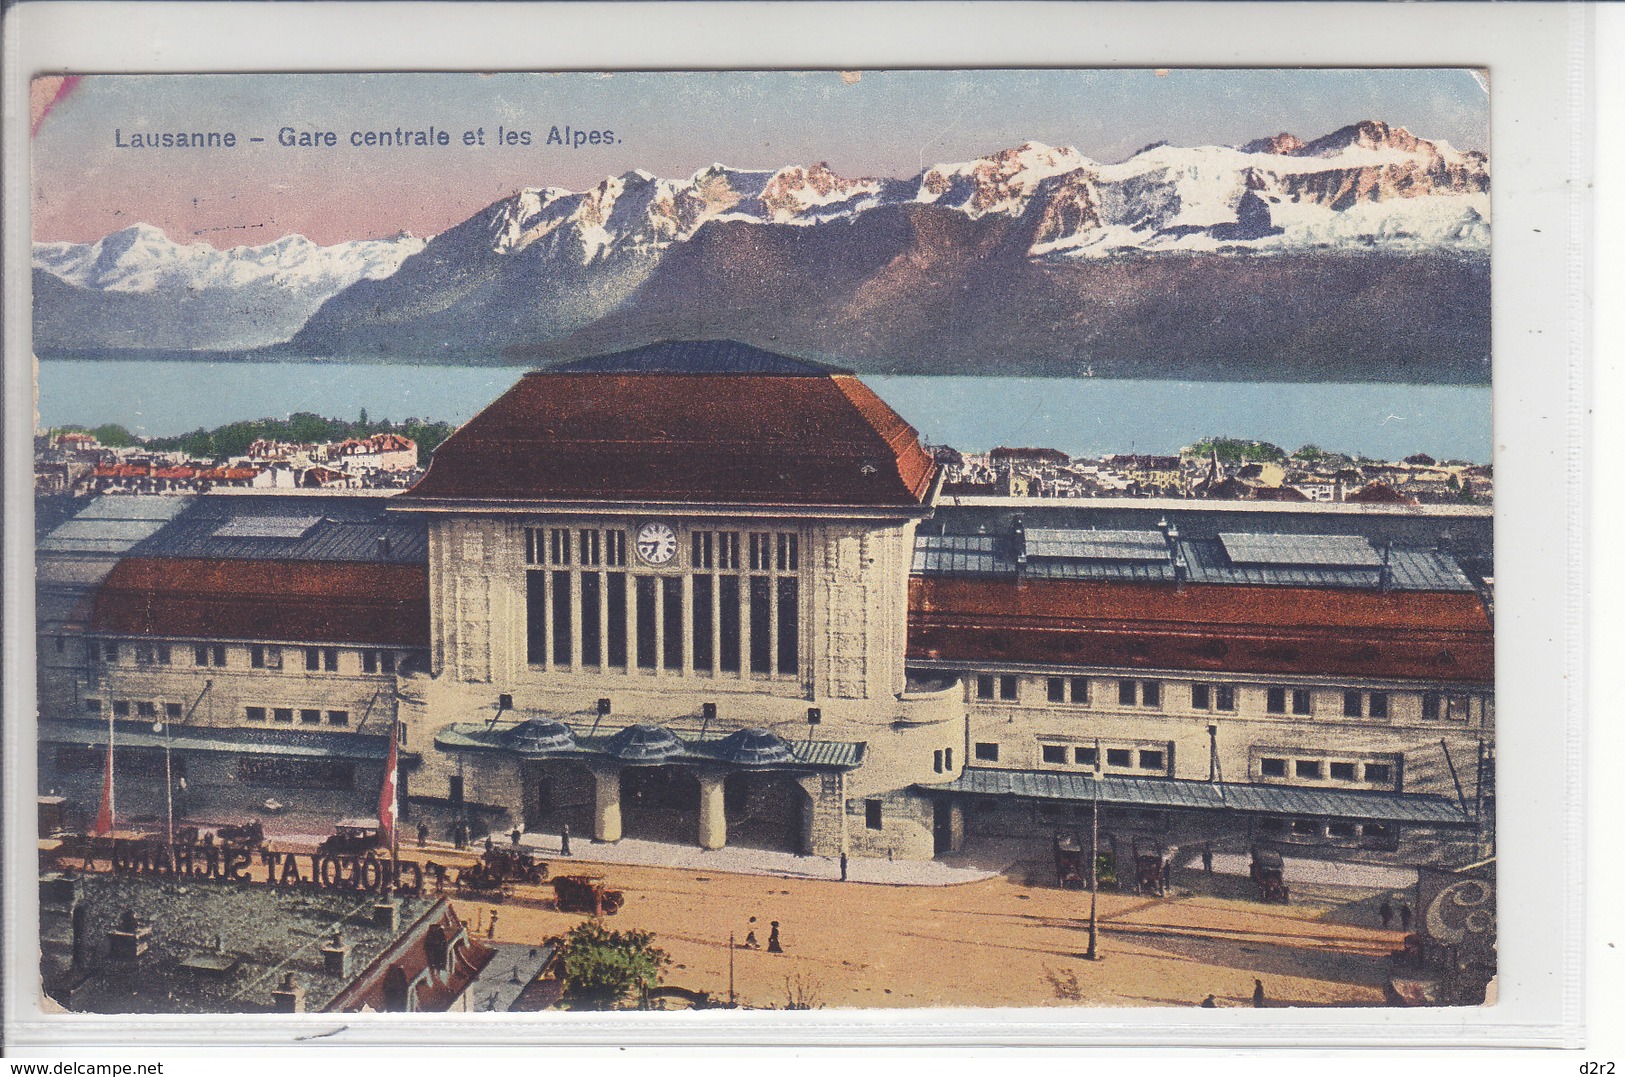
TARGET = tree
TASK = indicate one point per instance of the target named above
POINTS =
(604, 968)
(114, 436)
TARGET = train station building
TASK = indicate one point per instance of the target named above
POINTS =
(706, 594)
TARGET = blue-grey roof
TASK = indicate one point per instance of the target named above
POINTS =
(290, 527)
(1171, 793)
(1096, 545)
(316, 744)
(696, 357)
(112, 524)
(1268, 548)
(1125, 556)
(693, 746)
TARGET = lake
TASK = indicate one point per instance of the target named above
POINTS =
(1081, 417)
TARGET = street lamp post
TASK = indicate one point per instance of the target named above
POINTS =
(1094, 857)
(169, 791)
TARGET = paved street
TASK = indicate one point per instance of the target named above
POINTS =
(999, 941)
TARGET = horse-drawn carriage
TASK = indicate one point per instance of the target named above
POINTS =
(1268, 872)
(514, 865)
(249, 835)
(1150, 866)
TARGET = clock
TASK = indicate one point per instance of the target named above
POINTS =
(657, 543)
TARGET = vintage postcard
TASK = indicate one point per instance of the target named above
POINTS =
(769, 540)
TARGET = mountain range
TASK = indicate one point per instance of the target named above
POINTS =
(1360, 255)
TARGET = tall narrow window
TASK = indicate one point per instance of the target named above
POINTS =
(702, 555)
(647, 658)
(615, 625)
(1275, 700)
(591, 584)
(789, 557)
(728, 617)
(536, 617)
(533, 545)
(703, 615)
(671, 621)
(789, 620)
(561, 617)
(728, 550)
(559, 546)
(761, 622)
(615, 549)
(590, 547)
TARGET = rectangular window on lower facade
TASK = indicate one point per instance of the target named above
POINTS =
(1301, 701)
(1341, 772)
(728, 617)
(871, 814)
(1224, 697)
(987, 753)
(671, 621)
(1151, 693)
(282, 714)
(615, 618)
(1084, 756)
(1119, 757)
(1056, 690)
(647, 657)
(1306, 768)
(255, 714)
(1272, 768)
(984, 687)
(1150, 760)
(1379, 772)
(1126, 694)
(1377, 704)
(1430, 706)
(704, 614)
(1080, 690)
(761, 624)
(1351, 705)
(172, 711)
(92, 706)
(1007, 687)
(1054, 753)
(338, 717)
(591, 621)
(121, 708)
(310, 716)
(789, 618)
(1275, 700)
(536, 617)
(1201, 697)
(561, 619)
(146, 710)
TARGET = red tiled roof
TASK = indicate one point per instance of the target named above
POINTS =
(733, 438)
(1379, 493)
(1289, 630)
(299, 602)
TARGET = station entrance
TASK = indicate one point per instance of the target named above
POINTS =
(768, 811)
(557, 794)
(660, 803)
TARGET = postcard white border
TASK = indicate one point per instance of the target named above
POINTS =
(1537, 56)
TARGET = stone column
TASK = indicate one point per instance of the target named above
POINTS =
(713, 812)
(606, 819)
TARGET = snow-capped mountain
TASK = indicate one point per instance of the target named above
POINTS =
(1035, 256)
(279, 284)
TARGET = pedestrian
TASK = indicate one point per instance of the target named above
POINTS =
(423, 834)
(843, 866)
(1258, 994)
(564, 839)
(1167, 874)
(750, 940)
(515, 837)
(1385, 912)
(459, 834)
(773, 946)
(1209, 1003)
(491, 928)
(1207, 862)
(489, 844)
(1404, 917)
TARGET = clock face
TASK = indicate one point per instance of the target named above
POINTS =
(657, 543)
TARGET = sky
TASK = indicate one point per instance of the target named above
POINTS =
(90, 180)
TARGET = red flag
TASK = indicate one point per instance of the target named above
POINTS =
(104, 814)
(388, 806)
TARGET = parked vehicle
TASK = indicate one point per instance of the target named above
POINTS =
(1150, 865)
(352, 837)
(249, 835)
(514, 865)
(586, 893)
(1269, 873)
(1071, 861)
